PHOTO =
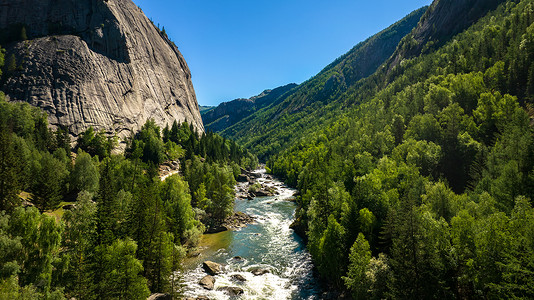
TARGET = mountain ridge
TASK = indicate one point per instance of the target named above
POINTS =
(256, 130)
(228, 113)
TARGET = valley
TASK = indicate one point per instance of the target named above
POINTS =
(404, 169)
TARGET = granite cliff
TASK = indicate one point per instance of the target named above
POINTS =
(99, 63)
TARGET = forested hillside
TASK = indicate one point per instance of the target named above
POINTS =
(228, 113)
(270, 129)
(417, 182)
(98, 225)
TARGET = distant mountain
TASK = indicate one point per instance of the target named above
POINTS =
(205, 109)
(261, 129)
(228, 113)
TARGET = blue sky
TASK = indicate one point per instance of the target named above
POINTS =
(238, 48)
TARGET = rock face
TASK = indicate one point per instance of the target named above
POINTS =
(97, 63)
(442, 20)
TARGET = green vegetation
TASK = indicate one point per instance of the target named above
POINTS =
(416, 182)
(304, 109)
(127, 230)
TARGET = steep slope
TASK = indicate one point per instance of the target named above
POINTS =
(443, 20)
(424, 189)
(95, 63)
(228, 113)
(205, 109)
(360, 62)
(261, 130)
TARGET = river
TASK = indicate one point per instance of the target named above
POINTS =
(269, 244)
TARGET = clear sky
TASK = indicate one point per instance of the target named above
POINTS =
(238, 48)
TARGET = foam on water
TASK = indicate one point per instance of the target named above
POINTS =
(269, 244)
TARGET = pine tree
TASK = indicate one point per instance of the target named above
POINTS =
(359, 258)
(8, 175)
(23, 35)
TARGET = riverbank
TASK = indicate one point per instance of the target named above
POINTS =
(266, 259)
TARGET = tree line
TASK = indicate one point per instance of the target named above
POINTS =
(128, 231)
(418, 182)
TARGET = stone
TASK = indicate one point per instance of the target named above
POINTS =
(259, 271)
(238, 220)
(207, 282)
(159, 296)
(238, 277)
(263, 193)
(212, 268)
(97, 63)
(242, 178)
(231, 290)
(255, 175)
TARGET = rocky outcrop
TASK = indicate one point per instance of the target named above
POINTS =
(229, 113)
(238, 220)
(98, 63)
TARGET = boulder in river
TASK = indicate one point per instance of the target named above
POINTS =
(238, 277)
(242, 178)
(231, 290)
(238, 220)
(255, 175)
(207, 282)
(212, 268)
(264, 193)
(259, 271)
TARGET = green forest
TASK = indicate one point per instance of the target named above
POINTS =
(127, 230)
(417, 181)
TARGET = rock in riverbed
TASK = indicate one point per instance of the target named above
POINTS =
(259, 271)
(242, 178)
(212, 268)
(238, 277)
(207, 282)
(238, 220)
(231, 290)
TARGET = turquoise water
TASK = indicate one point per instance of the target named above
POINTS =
(268, 244)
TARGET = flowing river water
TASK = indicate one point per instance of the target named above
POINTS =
(268, 244)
